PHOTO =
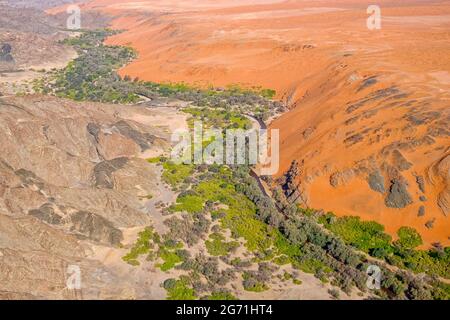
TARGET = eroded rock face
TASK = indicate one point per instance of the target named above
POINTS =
(61, 197)
(291, 186)
(376, 182)
(47, 214)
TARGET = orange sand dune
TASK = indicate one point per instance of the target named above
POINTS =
(318, 55)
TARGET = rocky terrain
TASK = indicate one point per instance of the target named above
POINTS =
(71, 174)
(76, 182)
(369, 119)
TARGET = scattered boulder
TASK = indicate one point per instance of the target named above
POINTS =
(421, 211)
(423, 198)
(398, 196)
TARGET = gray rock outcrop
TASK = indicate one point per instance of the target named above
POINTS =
(398, 196)
(5, 53)
(376, 181)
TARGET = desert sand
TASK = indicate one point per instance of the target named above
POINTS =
(358, 97)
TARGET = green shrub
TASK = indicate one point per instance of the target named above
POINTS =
(222, 296)
(171, 259)
(217, 246)
(179, 290)
(364, 235)
(408, 238)
(142, 246)
(174, 174)
(252, 284)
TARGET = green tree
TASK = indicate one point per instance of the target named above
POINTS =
(408, 238)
